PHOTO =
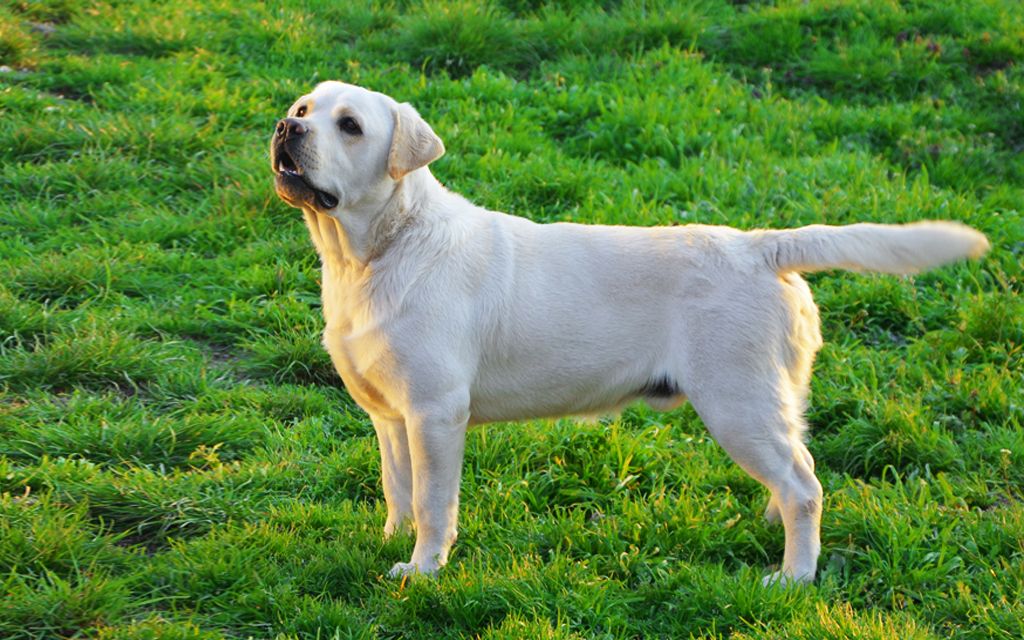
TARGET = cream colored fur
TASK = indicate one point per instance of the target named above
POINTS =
(441, 314)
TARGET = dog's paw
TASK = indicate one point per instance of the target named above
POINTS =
(776, 579)
(402, 569)
(780, 579)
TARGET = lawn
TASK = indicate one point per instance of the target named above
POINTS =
(178, 459)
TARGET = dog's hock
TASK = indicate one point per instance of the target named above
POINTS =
(413, 144)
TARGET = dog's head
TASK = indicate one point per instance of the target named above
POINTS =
(342, 143)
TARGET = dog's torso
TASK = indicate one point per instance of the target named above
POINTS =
(541, 320)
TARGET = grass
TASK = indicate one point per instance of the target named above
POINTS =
(178, 459)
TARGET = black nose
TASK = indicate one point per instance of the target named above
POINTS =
(290, 127)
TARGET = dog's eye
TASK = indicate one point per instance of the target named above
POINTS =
(349, 126)
(300, 112)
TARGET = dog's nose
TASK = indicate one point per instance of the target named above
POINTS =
(290, 127)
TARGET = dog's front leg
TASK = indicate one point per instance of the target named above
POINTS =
(396, 473)
(437, 439)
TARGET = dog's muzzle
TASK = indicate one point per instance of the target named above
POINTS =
(285, 158)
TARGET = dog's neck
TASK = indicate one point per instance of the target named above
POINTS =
(354, 237)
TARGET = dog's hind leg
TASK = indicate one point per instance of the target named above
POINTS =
(765, 441)
(747, 375)
(773, 512)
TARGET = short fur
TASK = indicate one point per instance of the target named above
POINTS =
(441, 314)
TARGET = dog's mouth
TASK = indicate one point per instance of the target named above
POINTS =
(290, 179)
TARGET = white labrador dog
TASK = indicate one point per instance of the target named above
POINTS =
(441, 314)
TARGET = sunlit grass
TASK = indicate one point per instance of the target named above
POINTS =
(178, 459)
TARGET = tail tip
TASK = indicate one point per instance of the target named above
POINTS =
(969, 242)
(979, 246)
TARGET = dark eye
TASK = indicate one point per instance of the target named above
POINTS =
(349, 126)
(300, 112)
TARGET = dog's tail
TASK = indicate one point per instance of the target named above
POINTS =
(901, 249)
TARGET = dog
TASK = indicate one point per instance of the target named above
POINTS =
(441, 315)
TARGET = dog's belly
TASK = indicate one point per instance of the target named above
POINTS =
(565, 388)
(549, 402)
(546, 402)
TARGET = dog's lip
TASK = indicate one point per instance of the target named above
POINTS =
(285, 165)
(286, 168)
(324, 199)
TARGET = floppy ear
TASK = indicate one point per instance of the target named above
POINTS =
(413, 145)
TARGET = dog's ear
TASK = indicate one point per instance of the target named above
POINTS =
(413, 145)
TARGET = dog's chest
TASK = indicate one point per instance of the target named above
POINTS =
(356, 341)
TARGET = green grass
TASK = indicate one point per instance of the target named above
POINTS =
(179, 461)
